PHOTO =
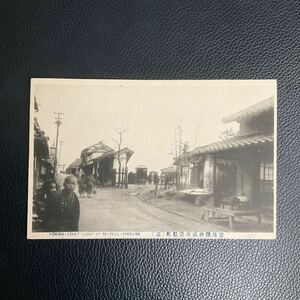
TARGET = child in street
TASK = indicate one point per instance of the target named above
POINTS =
(69, 206)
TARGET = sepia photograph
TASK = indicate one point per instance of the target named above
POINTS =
(146, 159)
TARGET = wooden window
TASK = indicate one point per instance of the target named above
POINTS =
(266, 177)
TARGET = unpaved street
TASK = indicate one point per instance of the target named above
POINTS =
(113, 209)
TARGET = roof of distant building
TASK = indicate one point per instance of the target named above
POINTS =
(141, 167)
(113, 153)
(253, 110)
(170, 169)
(76, 163)
(99, 147)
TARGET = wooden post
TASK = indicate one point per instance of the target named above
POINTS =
(122, 178)
(214, 172)
(231, 222)
(119, 176)
(215, 178)
(126, 177)
(207, 216)
(259, 219)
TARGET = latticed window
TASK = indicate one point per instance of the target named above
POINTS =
(266, 177)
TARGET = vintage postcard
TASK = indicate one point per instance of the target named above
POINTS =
(140, 159)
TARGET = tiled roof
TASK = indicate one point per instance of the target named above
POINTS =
(99, 147)
(113, 153)
(127, 150)
(36, 106)
(40, 140)
(104, 155)
(141, 167)
(253, 110)
(76, 163)
(171, 169)
(233, 143)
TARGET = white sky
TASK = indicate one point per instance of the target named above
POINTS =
(150, 111)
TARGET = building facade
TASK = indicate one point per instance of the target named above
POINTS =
(109, 167)
(240, 166)
(75, 167)
(168, 176)
(141, 174)
(43, 163)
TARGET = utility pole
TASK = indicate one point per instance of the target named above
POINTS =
(175, 143)
(61, 143)
(58, 122)
(180, 142)
(179, 154)
(176, 156)
(196, 137)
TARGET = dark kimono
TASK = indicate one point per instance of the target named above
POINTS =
(90, 182)
(47, 207)
(69, 211)
(52, 211)
(81, 186)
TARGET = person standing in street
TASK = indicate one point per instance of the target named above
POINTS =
(81, 185)
(90, 184)
(69, 206)
(156, 182)
(149, 179)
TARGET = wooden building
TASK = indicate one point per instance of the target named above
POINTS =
(240, 166)
(103, 162)
(168, 176)
(151, 177)
(75, 167)
(43, 163)
(141, 174)
(131, 178)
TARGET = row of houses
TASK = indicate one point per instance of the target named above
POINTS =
(108, 166)
(102, 162)
(43, 161)
(241, 165)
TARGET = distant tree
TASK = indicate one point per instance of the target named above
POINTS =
(118, 141)
(185, 148)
